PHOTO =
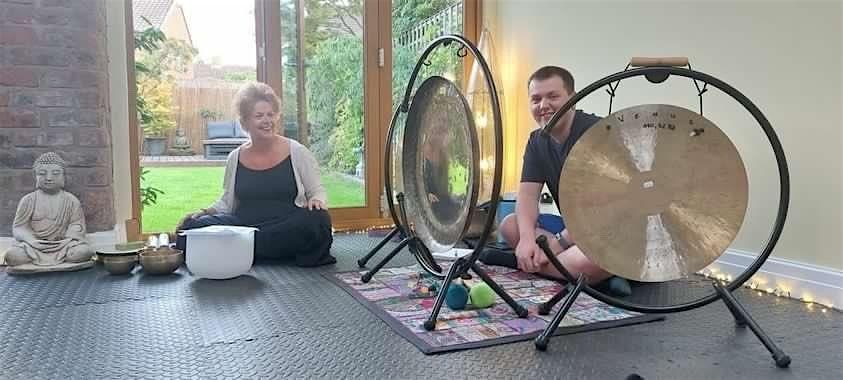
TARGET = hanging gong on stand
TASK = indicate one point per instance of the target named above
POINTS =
(436, 162)
(440, 164)
(655, 193)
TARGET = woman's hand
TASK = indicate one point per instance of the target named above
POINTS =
(315, 204)
(192, 215)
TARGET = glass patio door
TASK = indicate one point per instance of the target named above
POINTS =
(328, 88)
(339, 85)
(331, 61)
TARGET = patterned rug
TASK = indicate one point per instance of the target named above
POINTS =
(402, 298)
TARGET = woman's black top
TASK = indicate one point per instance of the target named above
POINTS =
(263, 195)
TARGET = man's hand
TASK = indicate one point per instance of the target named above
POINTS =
(540, 259)
(527, 212)
(525, 252)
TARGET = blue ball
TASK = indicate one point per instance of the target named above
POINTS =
(457, 297)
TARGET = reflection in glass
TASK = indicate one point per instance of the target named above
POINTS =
(439, 160)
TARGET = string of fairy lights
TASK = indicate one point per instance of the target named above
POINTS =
(760, 286)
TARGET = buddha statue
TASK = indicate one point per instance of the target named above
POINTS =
(181, 140)
(181, 145)
(49, 225)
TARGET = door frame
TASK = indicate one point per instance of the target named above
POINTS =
(377, 107)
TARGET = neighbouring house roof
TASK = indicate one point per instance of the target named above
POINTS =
(153, 10)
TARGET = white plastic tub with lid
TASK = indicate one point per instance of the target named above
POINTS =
(220, 252)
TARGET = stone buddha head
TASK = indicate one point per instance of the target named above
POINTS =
(49, 172)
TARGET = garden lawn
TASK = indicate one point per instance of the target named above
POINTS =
(187, 189)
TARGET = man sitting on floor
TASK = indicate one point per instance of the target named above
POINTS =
(549, 88)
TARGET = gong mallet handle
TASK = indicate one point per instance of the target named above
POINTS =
(741, 315)
(658, 61)
(521, 311)
(365, 259)
(543, 338)
(430, 323)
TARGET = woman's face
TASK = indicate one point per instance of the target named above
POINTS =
(261, 122)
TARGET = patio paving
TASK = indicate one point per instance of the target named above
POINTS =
(174, 161)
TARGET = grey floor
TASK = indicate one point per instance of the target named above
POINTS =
(290, 322)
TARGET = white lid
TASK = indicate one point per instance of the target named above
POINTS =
(219, 230)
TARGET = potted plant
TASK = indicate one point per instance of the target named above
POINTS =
(148, 193)
(158, 60)
(157, 117)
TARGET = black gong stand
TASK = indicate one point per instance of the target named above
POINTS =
(575, 285)
(402, 228)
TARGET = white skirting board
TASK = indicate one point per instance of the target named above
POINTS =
(104, 240)
(802, 281)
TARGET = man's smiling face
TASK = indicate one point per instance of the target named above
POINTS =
(546, 97)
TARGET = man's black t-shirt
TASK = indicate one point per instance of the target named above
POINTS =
(544, 157)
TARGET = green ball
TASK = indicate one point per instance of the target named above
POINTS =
(482, 295)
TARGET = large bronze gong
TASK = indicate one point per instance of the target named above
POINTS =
(653, 192)
(440, 164)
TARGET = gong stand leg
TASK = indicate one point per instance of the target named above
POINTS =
(368, 275)
(423, 256)
(545, 307)
(740, 319)
(365, 259)
(417, 248)
(541, 241)
(521, 311)
(744, 319)
(453, 272)
(544, 337)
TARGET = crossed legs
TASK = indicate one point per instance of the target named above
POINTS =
(571, 258)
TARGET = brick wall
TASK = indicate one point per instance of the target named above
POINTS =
(54, 97)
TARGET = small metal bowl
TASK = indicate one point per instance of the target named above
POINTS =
(119, 264)
(161, 261)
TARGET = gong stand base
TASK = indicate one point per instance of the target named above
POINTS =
(543, 338)
(365, 259)
(547, 306)
(368, 275)
(742, 317)
(460, 267)
(416, 245)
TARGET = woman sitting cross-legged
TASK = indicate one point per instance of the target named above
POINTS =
(272, 183)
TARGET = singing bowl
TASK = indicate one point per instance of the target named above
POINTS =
(440, 164)
(119, 264)
(653, 192)
(161, 261)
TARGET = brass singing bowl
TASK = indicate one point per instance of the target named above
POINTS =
(119, 264)
(653, 193)
(163, 260)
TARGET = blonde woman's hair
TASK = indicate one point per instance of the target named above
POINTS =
(252, 93)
